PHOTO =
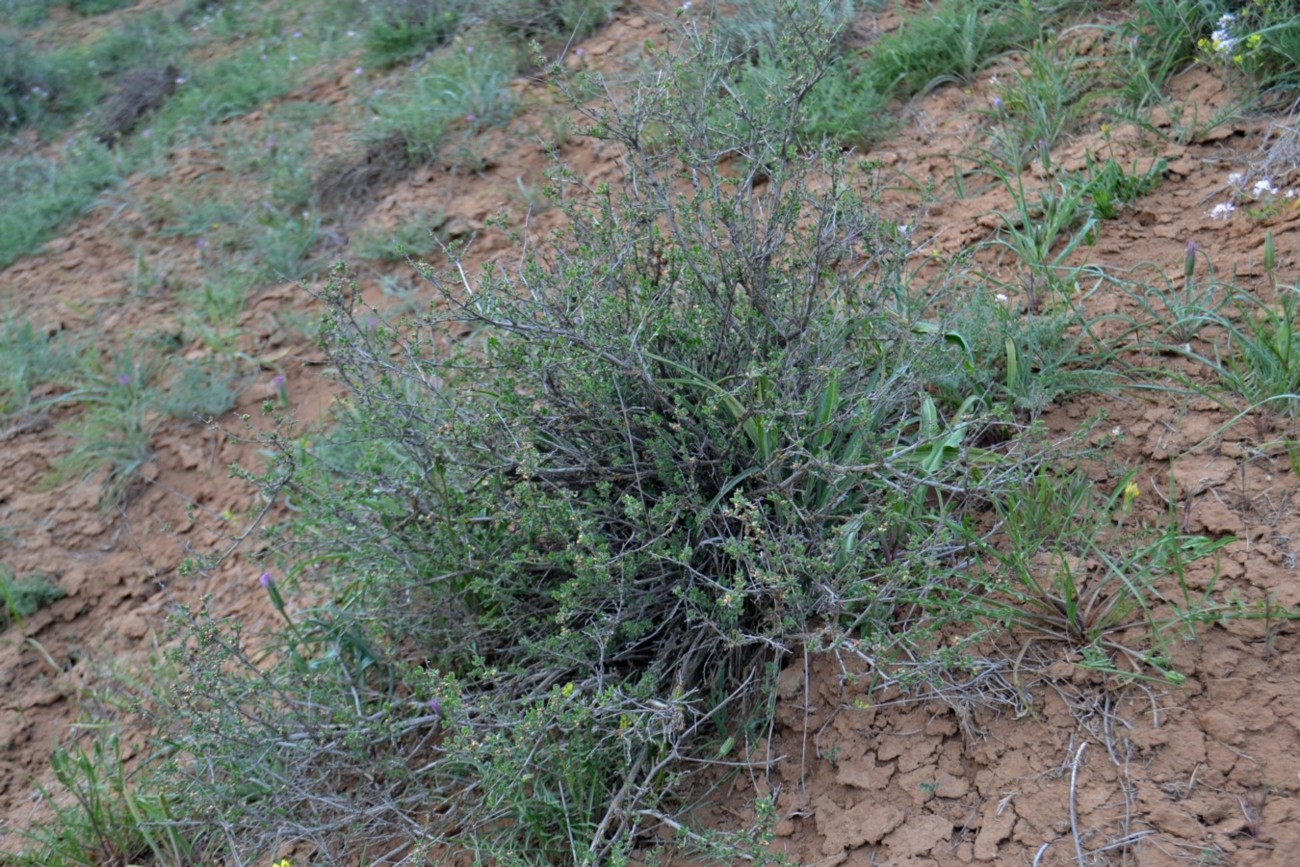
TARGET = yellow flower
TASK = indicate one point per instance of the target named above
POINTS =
(283, 862)
(1131, 493)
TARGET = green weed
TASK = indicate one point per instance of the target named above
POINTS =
(1108, 186)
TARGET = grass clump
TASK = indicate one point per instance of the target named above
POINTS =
(842, 106)
(400, 29)
(104, 815)
(23, 597)
(548, 21)
(950, 41)
(465, 88)
(561, 560)
(1074, 565)
(419, 236)
(30, 359)
(98, 7)
(41, 194)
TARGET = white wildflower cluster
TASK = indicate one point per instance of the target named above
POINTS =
(1263, 192)
(1221, 40)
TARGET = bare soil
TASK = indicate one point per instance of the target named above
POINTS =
(1151, 774)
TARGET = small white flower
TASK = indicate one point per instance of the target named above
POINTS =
(1000, 298)
(1290, 194)
(1263, 187)
(1236, 179)
(1222, 211)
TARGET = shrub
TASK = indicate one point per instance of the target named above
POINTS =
(565, 556)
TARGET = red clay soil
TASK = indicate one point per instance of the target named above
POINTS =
(1201, 773)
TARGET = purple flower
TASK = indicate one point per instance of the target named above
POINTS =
(201, 243)
(267, 581)
(435, 707)
(279, 381)
(123, 379)
(997, 103)
(471, 117)
(297, 34)
(270, 142)
(580, 51)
